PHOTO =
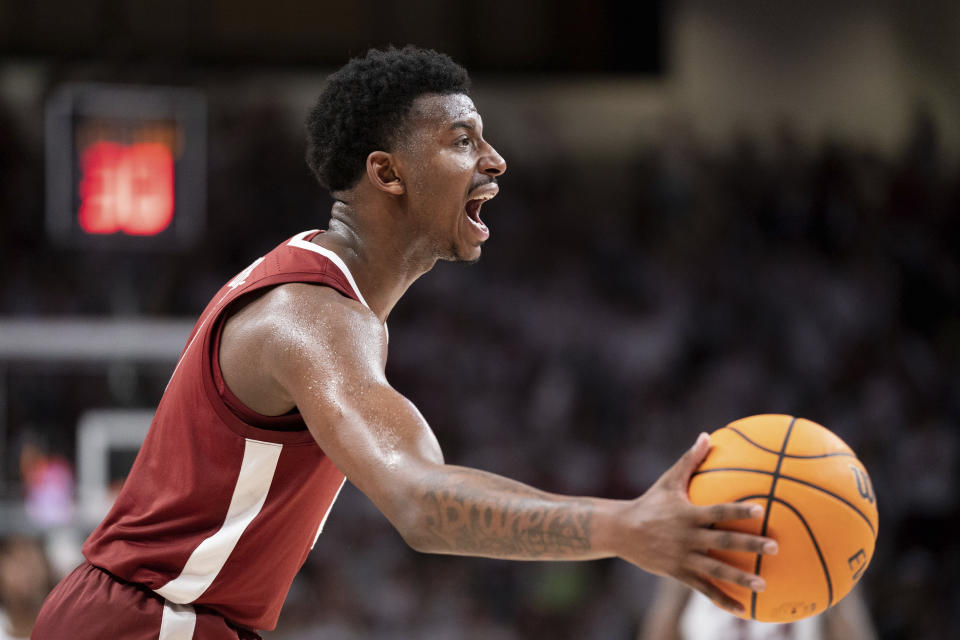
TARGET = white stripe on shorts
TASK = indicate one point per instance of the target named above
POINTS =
(178, 622)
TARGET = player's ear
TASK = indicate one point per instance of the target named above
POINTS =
(382, 172)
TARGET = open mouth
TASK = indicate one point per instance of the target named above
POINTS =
(472, 209)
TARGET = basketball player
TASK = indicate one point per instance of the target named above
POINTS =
(280, 395)
(680, 614)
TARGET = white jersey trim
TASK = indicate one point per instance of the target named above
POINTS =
(178, 622)
(249, 495)
(327, 514)
(301, 242)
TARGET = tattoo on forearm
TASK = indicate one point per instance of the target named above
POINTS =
(515, 526)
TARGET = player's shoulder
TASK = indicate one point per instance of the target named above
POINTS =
(297, 309)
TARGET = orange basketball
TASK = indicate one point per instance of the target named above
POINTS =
(819, 506)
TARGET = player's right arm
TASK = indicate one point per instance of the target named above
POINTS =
(326, 354)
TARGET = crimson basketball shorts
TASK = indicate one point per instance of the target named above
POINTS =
(93, 604)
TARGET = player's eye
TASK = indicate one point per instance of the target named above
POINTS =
(463, 142)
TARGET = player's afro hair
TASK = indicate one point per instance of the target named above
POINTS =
(363, 106)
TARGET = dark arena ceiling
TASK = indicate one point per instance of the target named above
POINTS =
(578, 36)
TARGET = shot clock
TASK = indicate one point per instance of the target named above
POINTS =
(125, 166)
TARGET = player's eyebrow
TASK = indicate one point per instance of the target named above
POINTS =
(463, 124)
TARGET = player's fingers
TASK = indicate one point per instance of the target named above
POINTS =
(678, 476)
(713, 592)
(715, 513)
(717, 570)
(734, 541)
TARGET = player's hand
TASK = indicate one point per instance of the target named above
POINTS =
(675, 535)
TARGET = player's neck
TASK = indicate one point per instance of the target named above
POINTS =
(383, 261)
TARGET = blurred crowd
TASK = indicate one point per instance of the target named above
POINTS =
(620, 308)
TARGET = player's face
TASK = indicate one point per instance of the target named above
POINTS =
(451, 172)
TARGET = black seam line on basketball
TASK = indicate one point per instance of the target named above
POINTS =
(793, 456)
(766, 513)
(799, 481)
(838, 497)
(813, 539)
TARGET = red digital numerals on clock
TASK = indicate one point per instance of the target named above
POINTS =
(126, 188)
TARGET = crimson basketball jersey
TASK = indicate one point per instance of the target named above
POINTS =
(219, 510)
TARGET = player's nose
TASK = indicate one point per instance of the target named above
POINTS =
(492, 163)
